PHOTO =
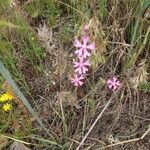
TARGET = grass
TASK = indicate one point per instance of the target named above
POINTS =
(36, 53)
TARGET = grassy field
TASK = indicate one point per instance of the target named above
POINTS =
(41, 109)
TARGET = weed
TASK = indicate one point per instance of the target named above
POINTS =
(145, 87)
(46, 9)
(36, 53)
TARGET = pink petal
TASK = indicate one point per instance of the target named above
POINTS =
(77, 43)
(109, 82)
(81, 78)
(86, 28)
(76, 64)
(118, 83)
(86, 53)
(72, 80)
(79, 70)
(114, 79)
(87, 63)
(114, 83)
(81, 59)
(110, 86)
(85, 40)
(79, 52)
(85, 70)
(80, 83)
(75, 84)
(115, 87)
(91, 46)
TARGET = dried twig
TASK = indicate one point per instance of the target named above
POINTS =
(127, 141)
(92, 126)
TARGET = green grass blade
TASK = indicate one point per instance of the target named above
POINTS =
(10, 25)
(6, 74)
(46, 141)
(102, 9)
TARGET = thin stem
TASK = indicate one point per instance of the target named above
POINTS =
(93, 125)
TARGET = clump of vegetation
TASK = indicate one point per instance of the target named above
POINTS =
(43, 9)
(145, 87)
(107, 106)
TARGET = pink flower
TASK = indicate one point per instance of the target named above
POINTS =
(86, 28)
(77, 81)
(81, 66)
(83, 47)
(113, 83)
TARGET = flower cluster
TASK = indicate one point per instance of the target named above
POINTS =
(81, 65)
(4, 98)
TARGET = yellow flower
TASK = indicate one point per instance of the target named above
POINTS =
(7, 107)
(6, 96)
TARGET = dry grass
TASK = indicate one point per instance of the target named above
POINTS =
(40, 57)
